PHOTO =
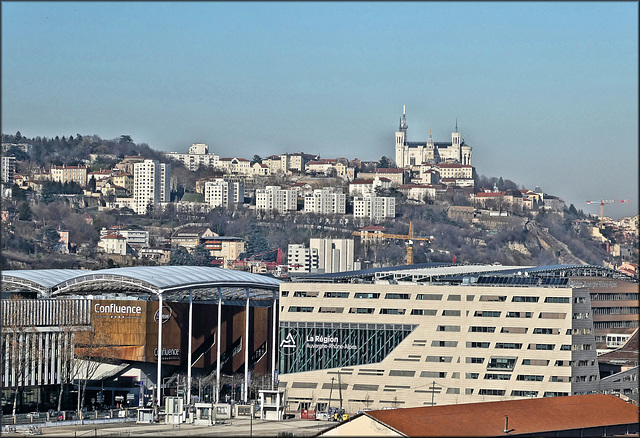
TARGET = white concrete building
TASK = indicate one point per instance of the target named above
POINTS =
(113, 244)
(409, 154)
(223, 193)
(151, 181)
(275, 198)
(325, 201)
(197, 156)
(494, 337)
(334, 255)
(8, 169)
(301, 259)
(236, 166)
(136, 238)
(375, 208)
(364, 187)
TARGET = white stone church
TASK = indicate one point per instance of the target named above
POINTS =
(415, 153)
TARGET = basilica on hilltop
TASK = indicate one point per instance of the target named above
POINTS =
(416, 153)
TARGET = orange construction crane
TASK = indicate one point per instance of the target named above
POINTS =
(408, 237)
(602, 202)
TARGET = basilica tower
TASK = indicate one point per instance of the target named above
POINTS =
(401, 139)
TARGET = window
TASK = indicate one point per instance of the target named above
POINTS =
(530, 378)
(434, 374)
(454, 298)
(507, 363)
(453, 390)
(475, 360)
(542, 346)
(555, 394)
(487, 313)
(468, 391)
(444, 343)
(477, 345)
(448, 328)
(519, 393)
(536, 362)
(446, 359)
(285, 293)
(470, 297)
(472, 376)
(546, 331)
(561, 363)
(562, 300)
(368, 295)
(434, 297)
(331, 310)
(552, 315)
(425, 312)
(519, 314)
(493, 298)
(509, 345)
(481, 329)
(560, 379)
(392, 311)
(565, 347)
(401, 373)
(450, 313)
(491, 392)
(336, 294)
(361, 310)
(524, 299)
(497, 376)
(394, 296)
(520, 330)
(300, 293)
(300, 309)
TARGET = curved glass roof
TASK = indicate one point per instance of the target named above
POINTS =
(141, 279)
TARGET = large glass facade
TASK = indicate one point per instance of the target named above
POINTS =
(308, 346)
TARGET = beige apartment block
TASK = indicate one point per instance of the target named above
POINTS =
(411, 344)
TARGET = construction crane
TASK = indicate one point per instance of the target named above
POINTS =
(409, 237)
(605, 201)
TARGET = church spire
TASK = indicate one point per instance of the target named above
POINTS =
(403, 120)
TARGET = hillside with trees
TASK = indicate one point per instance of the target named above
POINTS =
(29, 241)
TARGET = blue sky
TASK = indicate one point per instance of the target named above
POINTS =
(546, 93)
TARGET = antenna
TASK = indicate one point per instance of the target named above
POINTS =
(506, 424)
(456, 124)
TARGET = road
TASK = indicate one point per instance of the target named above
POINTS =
(230, 428)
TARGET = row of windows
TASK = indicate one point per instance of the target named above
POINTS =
(433, 312)
(432, 297)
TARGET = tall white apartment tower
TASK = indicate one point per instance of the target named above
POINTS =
(150, 184)
(334, 255)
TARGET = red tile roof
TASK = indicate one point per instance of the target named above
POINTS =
(530, 416)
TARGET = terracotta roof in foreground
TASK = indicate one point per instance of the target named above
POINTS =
(528, 416)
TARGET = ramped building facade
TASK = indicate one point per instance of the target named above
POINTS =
(438, 335)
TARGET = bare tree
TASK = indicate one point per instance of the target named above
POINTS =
(93, 347)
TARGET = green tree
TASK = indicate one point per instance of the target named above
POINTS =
(50, 238)
(91, 185)
(384, 162)
(24, 212)
(256, 159)
(500, 184)
(200, 256)
(180, 257)
(257, 241)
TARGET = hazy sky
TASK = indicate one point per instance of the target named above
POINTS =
(546, 93)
